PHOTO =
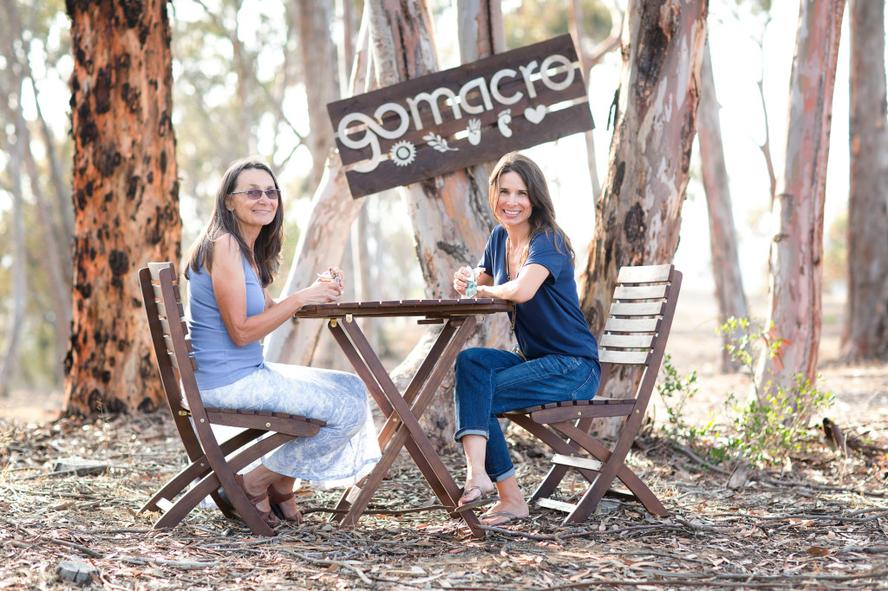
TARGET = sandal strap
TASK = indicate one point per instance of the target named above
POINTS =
(253, 499)
(266, 516)
(277, 497)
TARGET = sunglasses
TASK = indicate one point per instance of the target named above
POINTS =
(255, 194)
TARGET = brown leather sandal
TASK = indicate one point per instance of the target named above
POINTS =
(270, 519)
(276, 498)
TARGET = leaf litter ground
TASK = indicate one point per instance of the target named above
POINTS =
(823, 525)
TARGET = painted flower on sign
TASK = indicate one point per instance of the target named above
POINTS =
(403, 153)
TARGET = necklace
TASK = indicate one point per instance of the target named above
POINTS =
(514, 314)
(509, 275)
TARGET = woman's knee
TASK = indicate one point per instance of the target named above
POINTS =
(356, 408)
(469, 358)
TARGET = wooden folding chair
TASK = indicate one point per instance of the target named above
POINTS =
(636, 331)
(209, 463)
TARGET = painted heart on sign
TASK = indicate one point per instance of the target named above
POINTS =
(535, 114)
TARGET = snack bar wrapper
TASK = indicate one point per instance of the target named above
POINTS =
(331, 274)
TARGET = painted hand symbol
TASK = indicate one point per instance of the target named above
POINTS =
(474, 130)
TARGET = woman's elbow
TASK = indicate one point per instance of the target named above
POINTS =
(239, 337)
(240, 341)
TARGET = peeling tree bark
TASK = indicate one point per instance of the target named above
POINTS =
(323, 241)
(451, 221)
(722, 236)
(126, 199)
(866, 317)
(797, 250)
(638, 216)
(450, 214)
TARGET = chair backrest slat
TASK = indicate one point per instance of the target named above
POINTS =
(626, 341)
(639, 292)
(171, 350)
(630, 325)
(165, 323)
(636, 308)
(644, 274)
(619, 356)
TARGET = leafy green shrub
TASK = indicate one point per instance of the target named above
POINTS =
(765, 430)
(675, 392)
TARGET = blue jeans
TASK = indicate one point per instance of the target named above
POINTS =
(490, 382)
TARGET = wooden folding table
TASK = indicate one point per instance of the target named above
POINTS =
(402, 412)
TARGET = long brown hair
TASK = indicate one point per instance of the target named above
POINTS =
(266, 253)
(542, 216)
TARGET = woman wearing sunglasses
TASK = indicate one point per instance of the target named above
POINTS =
(230, 268)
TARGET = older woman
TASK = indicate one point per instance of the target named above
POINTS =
(529, 261)
(230, 267)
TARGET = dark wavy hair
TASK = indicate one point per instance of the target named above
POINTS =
(542, 217)
(266, 253)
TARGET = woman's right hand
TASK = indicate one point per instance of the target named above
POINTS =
(320, 292)
(461, 279)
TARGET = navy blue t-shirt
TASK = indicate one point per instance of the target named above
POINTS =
(551, 321)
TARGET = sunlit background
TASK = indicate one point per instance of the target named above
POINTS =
(748, 44)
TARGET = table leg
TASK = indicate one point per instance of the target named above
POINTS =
(350, 496)
(402, 427)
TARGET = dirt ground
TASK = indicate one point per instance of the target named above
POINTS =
(823, 524)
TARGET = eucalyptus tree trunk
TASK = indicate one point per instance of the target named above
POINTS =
(19, 277)
(866, 318)
(589, 58)
(54, 237)
(318, 54)
(126, 198)
(638, 216)
(321, 76)
(60, 222)
(450, 215)
(722, 236)
(322, 242)
(333, 210)
(797, 249)
(55, 266)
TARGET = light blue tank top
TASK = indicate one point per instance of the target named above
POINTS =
(219, 361)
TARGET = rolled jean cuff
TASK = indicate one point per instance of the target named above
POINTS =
(500, 477)
(463, 432)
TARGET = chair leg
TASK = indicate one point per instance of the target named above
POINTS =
(623, 472)
(568, 438)
(211, 482)
(198, 468)
(557, 473)
(553, 440)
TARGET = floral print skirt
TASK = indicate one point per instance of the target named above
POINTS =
(342, 452)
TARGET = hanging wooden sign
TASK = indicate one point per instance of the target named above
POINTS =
(455, 118)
